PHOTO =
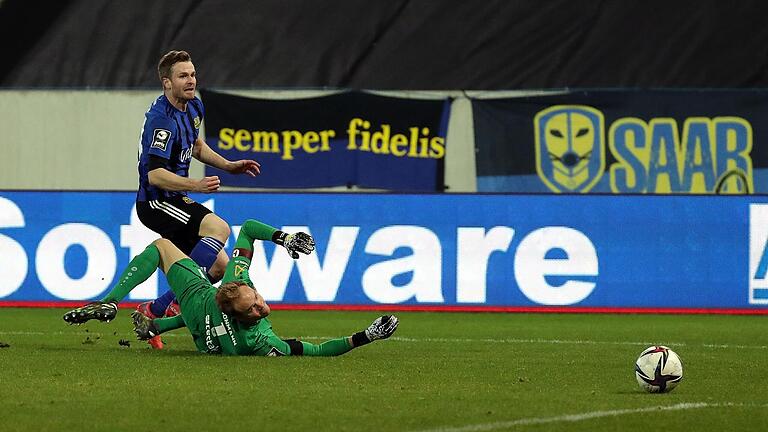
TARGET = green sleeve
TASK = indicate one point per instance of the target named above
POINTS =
(238, 266)
(253, 230)
(168, 324)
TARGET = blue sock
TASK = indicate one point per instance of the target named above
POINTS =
(161, 303)
(205, 252)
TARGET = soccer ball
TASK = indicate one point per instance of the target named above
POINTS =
(658, 369)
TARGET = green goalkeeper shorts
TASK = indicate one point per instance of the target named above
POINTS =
(192, 288)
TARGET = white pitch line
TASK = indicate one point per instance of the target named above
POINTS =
(584, 416)
(435, 340)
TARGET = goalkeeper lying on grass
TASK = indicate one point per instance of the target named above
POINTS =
(229, 320)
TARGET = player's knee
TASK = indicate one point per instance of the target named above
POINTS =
(162, 244)
(217, 270)
(214, 226)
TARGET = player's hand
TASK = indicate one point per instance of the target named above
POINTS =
(299, 242)
(245, 166)
(208, 184)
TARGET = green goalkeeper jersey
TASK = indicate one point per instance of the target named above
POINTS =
(212, 330)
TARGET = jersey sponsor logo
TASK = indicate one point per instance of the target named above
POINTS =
(197, 122)
(570, 153)
(212, 348)
(160, 138)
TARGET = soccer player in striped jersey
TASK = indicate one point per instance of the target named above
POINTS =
(231, 319)
(170, 138)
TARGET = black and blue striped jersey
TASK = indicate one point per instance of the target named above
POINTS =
(170, 134)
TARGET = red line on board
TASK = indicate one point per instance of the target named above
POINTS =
(445, 308)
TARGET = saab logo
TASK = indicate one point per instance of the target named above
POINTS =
(758, 253)
(570, 154)
(160, 138)
(197, 121)
(701, 155)
(188, 200)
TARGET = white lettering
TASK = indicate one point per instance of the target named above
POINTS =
(473, 249)
(101, 262)
(13, 259)
(758, 254)
(532, 267)
(425, 263)
(321, 282)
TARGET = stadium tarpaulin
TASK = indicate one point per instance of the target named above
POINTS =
(388, 44)
(351, 138)
(623, 142)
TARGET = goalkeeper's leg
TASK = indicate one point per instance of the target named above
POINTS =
(141, 267)
(160, 253)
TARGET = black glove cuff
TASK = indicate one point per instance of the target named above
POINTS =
(279, 237)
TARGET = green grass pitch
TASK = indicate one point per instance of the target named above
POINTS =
(440, 372)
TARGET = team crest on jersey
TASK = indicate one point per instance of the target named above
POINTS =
(160, 138)
(188, 200)
(570, 152)
(197, 122)
(239, 269)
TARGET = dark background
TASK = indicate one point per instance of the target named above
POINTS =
(388, 44)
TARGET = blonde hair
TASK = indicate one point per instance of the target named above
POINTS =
(226, 296)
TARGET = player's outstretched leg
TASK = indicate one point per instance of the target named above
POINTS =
(382, 327)
(102, 311)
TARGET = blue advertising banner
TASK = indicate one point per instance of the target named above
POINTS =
(345, 139)
(624, 142)
(485, 251)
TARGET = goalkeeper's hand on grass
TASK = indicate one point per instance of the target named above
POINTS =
(298, 242)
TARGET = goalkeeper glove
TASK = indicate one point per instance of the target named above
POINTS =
(295, 243)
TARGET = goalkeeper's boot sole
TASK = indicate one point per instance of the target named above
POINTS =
(105, 312)
(145, 329)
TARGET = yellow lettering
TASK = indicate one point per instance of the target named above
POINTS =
(398, 140)
(366, 136)
(424, 143)
(225, 138)
(352, 132)
(309, 138)
(412, 152)
(437, 147)
(266, 142)
(291, 141)
(380, 140)
(324, 136)
(240, 136)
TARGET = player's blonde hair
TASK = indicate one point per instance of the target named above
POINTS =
(170, 59)
(226, 296)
